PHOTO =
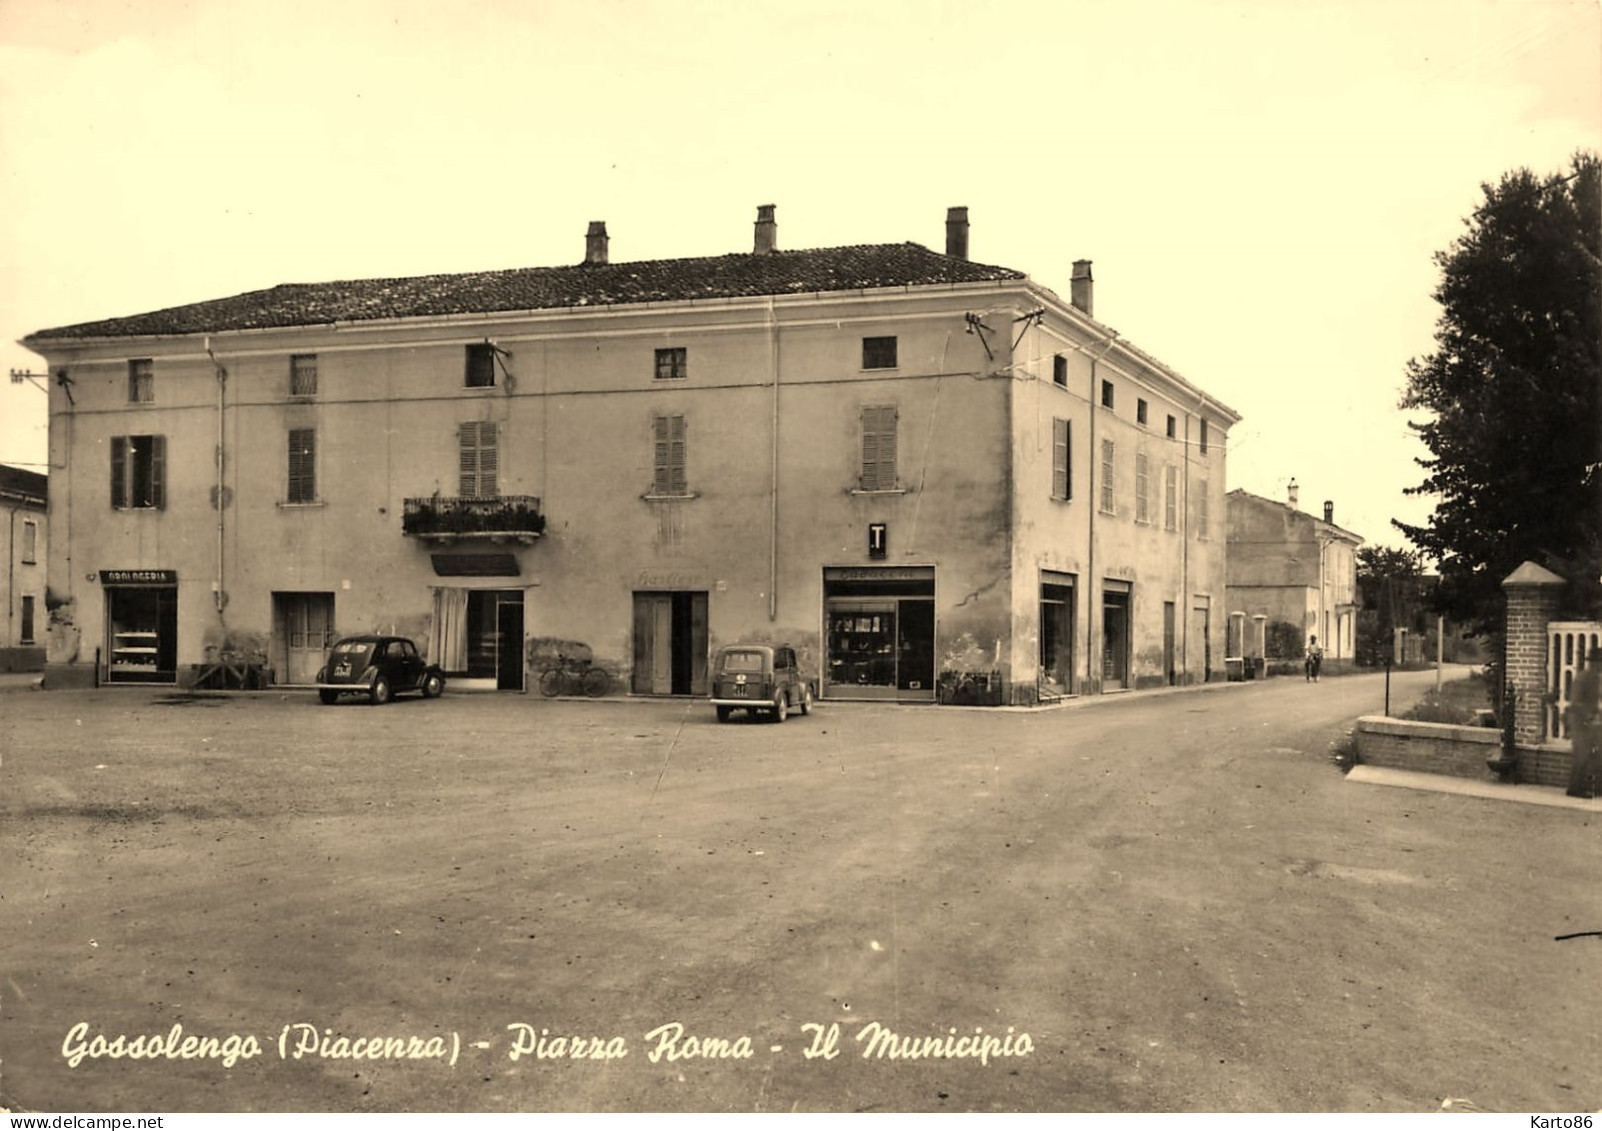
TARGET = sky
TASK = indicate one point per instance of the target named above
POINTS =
(1260, 185)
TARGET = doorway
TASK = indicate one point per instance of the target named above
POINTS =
(1056, 635)
(303, 631)
(495, 637)
(670, 643)
(1199, 646)
(1115, 636)
(141, 634)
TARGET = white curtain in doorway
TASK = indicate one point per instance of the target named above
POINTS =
(447, 643)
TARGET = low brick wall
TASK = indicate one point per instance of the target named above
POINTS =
(1430, 748)
(1543, 765)
(1458, 751)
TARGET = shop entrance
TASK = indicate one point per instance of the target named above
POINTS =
(1056, 634)
(880, 633)
(141, 634)
(670, 643)
(495, 637)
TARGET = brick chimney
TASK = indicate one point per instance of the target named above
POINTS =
(1083, 293)
(595, 241)
(1329, 512)
(957, 232)
(767, 231)
(1293, 493)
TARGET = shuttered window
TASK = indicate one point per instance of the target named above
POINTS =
(302, 465)
(1201, 508)
(30, 542)
(141, 381)
(1107, 494)
(1170, 497)
(1142, 502)
(1062, 481)
(303, 375)
(879, 448)
(669, 478)
(480, 459)
(138, 472)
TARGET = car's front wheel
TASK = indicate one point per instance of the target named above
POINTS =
(433, 685)
(329, 698)
(380, 693)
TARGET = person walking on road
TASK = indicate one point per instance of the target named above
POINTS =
(1315, 659)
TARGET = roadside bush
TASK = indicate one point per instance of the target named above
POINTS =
(1456, 702)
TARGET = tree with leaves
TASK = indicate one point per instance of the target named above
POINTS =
(1391, 595)
(1514, 389)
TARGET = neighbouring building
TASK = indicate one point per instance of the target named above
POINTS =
(936, 478)
(23, 497)
(1292, 575)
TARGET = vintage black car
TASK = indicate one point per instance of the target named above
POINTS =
(760, 679)
(379, 667)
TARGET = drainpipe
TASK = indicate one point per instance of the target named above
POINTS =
(773, 502)
(11, 575)
(218, 594)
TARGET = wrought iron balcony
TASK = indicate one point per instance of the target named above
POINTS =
(496, 518)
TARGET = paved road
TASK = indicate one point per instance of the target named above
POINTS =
(1177, 897)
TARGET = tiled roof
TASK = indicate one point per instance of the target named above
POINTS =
(861, 267)
(1295, 513)
(14, 481)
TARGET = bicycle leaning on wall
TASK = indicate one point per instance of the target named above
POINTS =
(572, 676)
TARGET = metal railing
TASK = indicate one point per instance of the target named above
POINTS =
(446, 517)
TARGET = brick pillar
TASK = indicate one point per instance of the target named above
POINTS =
(1532, 598)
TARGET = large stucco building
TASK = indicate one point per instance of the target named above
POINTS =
(917, 468)
(23, 501)
(1288, 567)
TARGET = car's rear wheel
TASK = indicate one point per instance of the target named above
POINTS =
(380, 693)
(433, 685)
(781, 708)
(724, 713)
(806, 700)
(329, 698)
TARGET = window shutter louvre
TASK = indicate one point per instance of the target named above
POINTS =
(879, 448)
(676, 474)
(489, 459)
(302, 465)
(158, 473)
(1059, 459)
(467, 445)
(119, 472)
(659, 457)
